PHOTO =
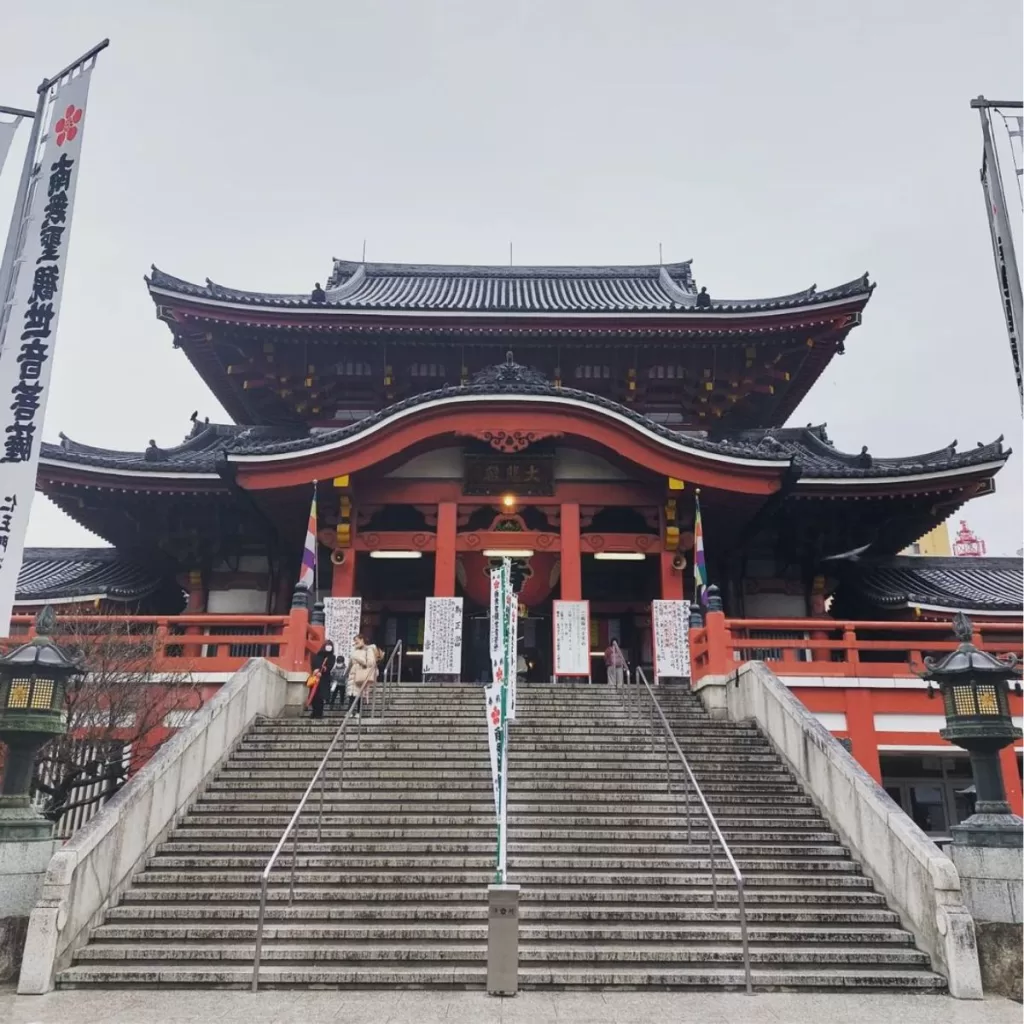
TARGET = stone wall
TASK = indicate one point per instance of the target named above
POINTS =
(918, 880)
(89, 873)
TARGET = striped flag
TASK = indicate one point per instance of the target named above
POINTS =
(700, 569)
(307, 576)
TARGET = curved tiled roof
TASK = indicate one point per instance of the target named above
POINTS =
(958, 584)
(400, 287)
(65, 574)
(211, 446)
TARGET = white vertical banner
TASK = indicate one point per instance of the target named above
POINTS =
(28, 344)
(492, 696)
(442, 637)
(572, 638)
(512, 604)
(342, 619)
(7, 130)
(670, 626)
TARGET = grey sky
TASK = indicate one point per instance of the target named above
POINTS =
(777, 144)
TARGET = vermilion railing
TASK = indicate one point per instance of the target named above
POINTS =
(824, 647)
(194, 643)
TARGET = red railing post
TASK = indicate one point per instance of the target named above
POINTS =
(719, 649)
(296, 631)
(852, 659)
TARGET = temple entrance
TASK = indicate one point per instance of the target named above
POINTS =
(620, 588)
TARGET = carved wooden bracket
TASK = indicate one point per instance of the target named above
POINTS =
(510, 442)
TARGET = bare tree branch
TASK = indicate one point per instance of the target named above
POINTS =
(118, 705)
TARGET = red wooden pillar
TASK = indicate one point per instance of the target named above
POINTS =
(444, 558)
(343, 577)
(196, 606)
(860, 726)
(1011, 778)
(572, 565)
(671, 578)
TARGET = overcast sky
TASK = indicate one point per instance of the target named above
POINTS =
(777, 144)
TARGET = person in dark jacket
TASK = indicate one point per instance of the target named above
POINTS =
(322, 666)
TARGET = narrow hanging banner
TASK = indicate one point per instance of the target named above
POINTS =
(7, 130)
(28, 344)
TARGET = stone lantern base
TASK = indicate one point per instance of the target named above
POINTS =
(26, 846)
(986, 850)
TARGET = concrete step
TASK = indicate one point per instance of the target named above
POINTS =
(464, 912)
(695, 977)
(842, 893)
(138, 936)
(323, 951)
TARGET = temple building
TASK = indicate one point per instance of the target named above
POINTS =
(565, 415)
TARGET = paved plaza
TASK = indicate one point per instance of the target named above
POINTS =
(120, 1006)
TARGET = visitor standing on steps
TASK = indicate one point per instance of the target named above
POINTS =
(362, 672)
(322, 666)
(615, 663)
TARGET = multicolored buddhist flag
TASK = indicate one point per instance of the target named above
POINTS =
(700, 569)
(307, 577)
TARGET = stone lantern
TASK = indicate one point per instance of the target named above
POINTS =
(975, 687)
(33, 680)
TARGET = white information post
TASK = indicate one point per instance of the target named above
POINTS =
(571, 625)
(442, 637)
(342, 618)
(671, 627)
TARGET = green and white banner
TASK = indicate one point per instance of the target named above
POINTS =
(500, 696)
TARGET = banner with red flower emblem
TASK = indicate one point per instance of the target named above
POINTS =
(28, 318)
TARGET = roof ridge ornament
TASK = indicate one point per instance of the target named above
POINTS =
(509, 374)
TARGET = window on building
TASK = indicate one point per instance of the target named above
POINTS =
(590, 371)
(422, 370)
(666, 372)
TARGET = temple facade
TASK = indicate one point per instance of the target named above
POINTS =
(565, 416)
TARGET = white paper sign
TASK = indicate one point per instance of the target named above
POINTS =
(572, 638)
(342, 618)
(442, 636)
(28, 327)
(670, 624)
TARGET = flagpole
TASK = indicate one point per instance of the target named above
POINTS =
(18, 214)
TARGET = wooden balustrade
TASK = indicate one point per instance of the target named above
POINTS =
(824, 647)
(193, 643)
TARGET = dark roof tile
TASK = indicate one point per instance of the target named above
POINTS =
(958, 584)
(389, 287)
(52, 574)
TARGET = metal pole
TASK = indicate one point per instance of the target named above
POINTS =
(295, 856)
(74, 64)
(20, 212)
(668, 766)
(259, 935)
(17, 111)
(743, 934)
(320, 813)
(714, 876)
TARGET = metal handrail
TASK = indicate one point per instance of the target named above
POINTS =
(689, 779)
(388, 676)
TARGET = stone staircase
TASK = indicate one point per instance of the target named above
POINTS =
(395, 894)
